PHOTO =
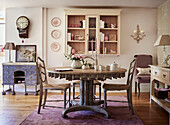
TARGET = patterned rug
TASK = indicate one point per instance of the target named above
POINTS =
(52, 116)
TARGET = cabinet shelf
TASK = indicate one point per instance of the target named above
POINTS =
(108, 28)
(76, 41)
(18, 77)
(162, 103)
(92, 28)
(110, 41)
(76, 28)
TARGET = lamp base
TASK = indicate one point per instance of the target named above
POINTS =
(165, 62)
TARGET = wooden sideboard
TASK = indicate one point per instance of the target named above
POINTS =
(20, 73)
(162, 75)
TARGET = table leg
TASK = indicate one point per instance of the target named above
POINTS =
(86, 100)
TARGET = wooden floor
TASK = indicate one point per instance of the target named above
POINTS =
(15, 108)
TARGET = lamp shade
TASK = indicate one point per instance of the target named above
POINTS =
(163, 40)
(9, 46)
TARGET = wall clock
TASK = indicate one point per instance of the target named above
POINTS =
(56, 22)
(22, 26)
(55, 34)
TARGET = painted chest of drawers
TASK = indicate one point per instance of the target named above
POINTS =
(20, 73)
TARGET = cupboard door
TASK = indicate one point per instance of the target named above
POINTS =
(92, 31)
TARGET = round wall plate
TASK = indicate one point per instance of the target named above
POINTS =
(55, 46)
(55, 34)
(56, 22)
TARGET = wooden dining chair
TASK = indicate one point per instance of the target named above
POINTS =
(118, 87)
(45, 86)
(96, 83)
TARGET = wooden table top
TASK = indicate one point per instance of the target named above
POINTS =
(90, 74)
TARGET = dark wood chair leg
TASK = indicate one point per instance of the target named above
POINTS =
(128, 99)
(40, 101)
(135, 87)
(69, 97)
(65, 98)
(45, 98)
(130, 96)
(105, 98)
(73, 91)
(99, 92)
(94, 92)
(138, 90)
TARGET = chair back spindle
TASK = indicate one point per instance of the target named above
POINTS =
(131, 72)
(42, 71)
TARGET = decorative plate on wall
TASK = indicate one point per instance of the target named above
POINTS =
(55, 34)
(56, 22)
(55, 46)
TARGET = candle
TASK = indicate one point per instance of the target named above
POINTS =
(92, 46)
(96, 44)
(103, 46)
(99, 46)
(87, 46)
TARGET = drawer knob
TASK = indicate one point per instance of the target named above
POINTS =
(155, 72)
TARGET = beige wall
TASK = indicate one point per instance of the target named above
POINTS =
(163, 27)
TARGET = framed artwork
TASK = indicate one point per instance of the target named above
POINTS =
(55, 46)
(55, 22)
(25, 53)
(55, 34)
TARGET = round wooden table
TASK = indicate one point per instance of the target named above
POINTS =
(86, 78)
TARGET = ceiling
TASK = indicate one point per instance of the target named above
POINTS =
(80, 3)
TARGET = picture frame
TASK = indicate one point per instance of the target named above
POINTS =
(25, 53)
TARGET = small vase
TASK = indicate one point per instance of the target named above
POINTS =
(85, 67)
(76, 64)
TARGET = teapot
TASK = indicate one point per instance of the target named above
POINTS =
(114, 66)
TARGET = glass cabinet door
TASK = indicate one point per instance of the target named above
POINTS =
(92, 34)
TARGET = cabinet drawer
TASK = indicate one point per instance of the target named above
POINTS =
(156, 72)
(31, 82)
(8, 76)
(8, 82)
(30, 77)
(165, 75)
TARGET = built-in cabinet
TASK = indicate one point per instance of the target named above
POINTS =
(92, 30)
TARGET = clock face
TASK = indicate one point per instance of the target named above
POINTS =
(22, 22)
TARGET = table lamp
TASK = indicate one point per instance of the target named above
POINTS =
(164, 40)
(9, 46)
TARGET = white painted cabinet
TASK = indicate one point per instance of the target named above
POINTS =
(92, 30)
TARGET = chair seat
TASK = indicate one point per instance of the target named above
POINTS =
(142, 78)
(116, 86)
(56, 86)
